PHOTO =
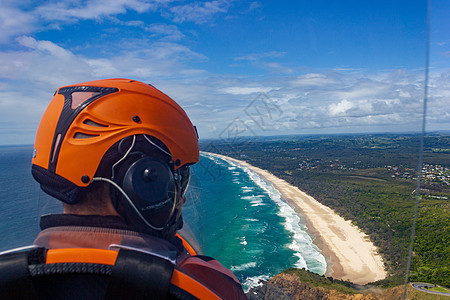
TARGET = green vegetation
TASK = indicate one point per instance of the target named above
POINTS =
(369, 290)
(431, 260)
(414, 294)
(306, 276)
(439, 289)
(370, 180)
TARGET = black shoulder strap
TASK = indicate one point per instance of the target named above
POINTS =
(138, 275)
(135, 275)
(15, 278)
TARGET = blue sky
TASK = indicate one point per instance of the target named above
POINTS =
(237, 67)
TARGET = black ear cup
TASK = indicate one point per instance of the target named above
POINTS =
(150, 186)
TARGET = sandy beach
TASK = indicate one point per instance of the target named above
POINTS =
(349, 252)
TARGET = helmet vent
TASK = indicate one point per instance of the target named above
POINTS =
(92, 123)
(80, 97)
(56, 146)
(80, 135)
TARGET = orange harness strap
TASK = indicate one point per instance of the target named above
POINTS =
(186, 245)
(81, 255)
(192, 286)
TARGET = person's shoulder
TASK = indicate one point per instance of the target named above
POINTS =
(207, 264)
(213, 275)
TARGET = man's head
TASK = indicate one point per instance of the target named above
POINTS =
(121, 132)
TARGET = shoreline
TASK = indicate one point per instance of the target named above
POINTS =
(348, 251)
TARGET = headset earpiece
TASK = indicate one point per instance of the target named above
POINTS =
(150, 186)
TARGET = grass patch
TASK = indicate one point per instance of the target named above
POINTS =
(329, 283)
(439, 289)
(413, 294)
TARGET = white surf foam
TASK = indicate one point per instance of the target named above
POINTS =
(251, 220)
(243, 267)
(254, 281)
(309, 255)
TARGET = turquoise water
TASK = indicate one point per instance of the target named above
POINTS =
(243, 222)
(247, 226)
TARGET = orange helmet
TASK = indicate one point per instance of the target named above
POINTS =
(84, 120)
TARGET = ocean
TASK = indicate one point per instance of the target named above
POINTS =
(243, 222)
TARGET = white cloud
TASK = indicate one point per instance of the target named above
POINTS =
(314, 80)
(13, 63)
(50, 62)
(364, 89)
(214, 101)
(438, 101)
(377, 103)
(443, 43)
(278, 68)
(199, 12)
(254, 5)
(158, 30)
(264, 60)
(346, 69)
(404, 94)
(46, 47)
(31, 75)
(133, 23)
(238, 90)
(168, 32)
(168, 50)
(340, 108)
(259, 56)
(24, 18)
(102, 67)
(14, 21)
(72, 10)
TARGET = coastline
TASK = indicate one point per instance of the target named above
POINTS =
(349, 253)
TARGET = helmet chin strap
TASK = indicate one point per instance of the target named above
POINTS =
(171, 220)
